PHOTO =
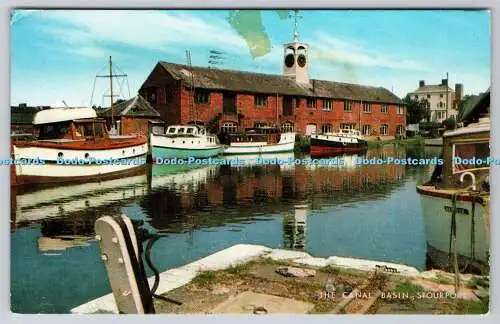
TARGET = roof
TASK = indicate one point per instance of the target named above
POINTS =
(22, 117)
(243, 81)
(137, 106)
(433, 88)
(55, 115)
(483, 125)
(474, 107)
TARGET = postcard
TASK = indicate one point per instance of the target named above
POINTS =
(250, 161)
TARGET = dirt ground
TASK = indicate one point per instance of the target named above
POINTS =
(331, 290)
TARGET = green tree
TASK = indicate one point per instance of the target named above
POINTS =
(417, 110)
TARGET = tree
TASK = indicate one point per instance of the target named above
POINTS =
(417, 110)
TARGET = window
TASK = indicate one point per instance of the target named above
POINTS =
(367, 107)
(348, 106)
(428, 96)
(311, 103)
(384, 109)
(367, 130)
(327, 105)
(260, 100)
(287, 127)
(190, 130)
(439, 115)
(400, 129)
(297, 102)
(478, 151)
(400, 110)
(180, 130)
(384, 129)
(229, 127)
(259, 125)
(441, 95)
(201, 97)
(171, 130)
(326, 128)
(347, 126)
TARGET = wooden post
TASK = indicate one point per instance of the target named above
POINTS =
(120, 254)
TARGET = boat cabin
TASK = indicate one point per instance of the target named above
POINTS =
(269, 135)
(60, 124)
(179, 130)
(466, 152)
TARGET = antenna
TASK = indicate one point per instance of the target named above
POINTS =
(296, 18)
(64, 103)
(216, 57)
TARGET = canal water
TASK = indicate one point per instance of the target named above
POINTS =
(361, 211)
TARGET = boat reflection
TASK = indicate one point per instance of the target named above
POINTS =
(180, 198)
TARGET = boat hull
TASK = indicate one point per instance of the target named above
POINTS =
(437, 207)
(180, 153)
(323, 147)
(259, 148)
(65, 165)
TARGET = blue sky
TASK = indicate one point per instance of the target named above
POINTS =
(55, 54)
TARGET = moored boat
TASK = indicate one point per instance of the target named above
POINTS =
(258, 140)
(455, 202)
(183, 142)
(73, 145)
(342, 141)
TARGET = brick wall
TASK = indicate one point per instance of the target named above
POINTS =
(176, 107)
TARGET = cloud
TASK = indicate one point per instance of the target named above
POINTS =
(336, 51)
(154, 30)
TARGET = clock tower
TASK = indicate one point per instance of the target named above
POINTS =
(296, 58)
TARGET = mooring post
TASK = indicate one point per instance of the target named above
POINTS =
(120, 254)
(149, 157)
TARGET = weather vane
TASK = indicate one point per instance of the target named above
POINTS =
(295, 17)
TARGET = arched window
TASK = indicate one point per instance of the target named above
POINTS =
(229, 127)
(287, 127)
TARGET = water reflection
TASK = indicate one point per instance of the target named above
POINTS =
(352, 210)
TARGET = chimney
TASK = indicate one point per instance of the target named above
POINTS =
(459, 91)
(444, 82)
(421, 83)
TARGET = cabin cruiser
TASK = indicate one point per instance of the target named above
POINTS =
(342, 141)
(182, 142)
(73, 145)
(258, 140)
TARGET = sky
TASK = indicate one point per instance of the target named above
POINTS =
(56, 54)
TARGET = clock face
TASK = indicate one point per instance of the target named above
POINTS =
(301, 60)
(289, 60)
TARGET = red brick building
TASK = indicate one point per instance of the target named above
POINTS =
(131, 116)
(235, 100)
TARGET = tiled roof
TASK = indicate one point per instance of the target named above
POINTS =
(242, 81)
(137, 106)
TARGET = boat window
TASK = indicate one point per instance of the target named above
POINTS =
(54, 131)
(469, 156)
(98, 130)
(202, 132)
(189, 130)
(180, 130)
(171, 130)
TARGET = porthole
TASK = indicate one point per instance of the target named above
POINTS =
(87, 155)
(133, 150)
(60, 155)
(123, 152)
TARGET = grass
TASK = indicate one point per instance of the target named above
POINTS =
(472, 307)
(205, 278)
(408, 287)
(238, 268)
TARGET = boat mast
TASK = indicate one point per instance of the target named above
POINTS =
(111, 92)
